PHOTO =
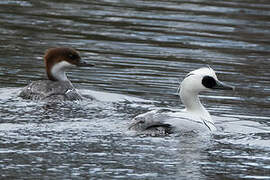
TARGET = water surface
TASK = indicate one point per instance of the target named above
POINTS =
(141, 50)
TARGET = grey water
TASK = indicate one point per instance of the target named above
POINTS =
(141, 49)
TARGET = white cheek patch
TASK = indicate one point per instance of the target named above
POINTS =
(59, 70)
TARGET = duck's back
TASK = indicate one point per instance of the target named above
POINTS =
(151, 123)
(165, 121)
(47, 90)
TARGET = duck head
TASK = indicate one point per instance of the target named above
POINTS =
(58, 60)
(203, 79)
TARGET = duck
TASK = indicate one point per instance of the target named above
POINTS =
(57, 87)
(193, 118)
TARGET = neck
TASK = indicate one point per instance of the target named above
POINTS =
(193, 105)
(58, 72)
(191, 100)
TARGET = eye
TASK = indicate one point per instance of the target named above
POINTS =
(73, 56)
(209, 82)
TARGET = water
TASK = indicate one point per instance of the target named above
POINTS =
(141, 49)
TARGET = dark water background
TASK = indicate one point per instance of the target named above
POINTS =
(141, 49)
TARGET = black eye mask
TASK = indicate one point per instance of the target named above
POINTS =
(209, 82)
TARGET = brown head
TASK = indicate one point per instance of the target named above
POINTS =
(58, 60)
